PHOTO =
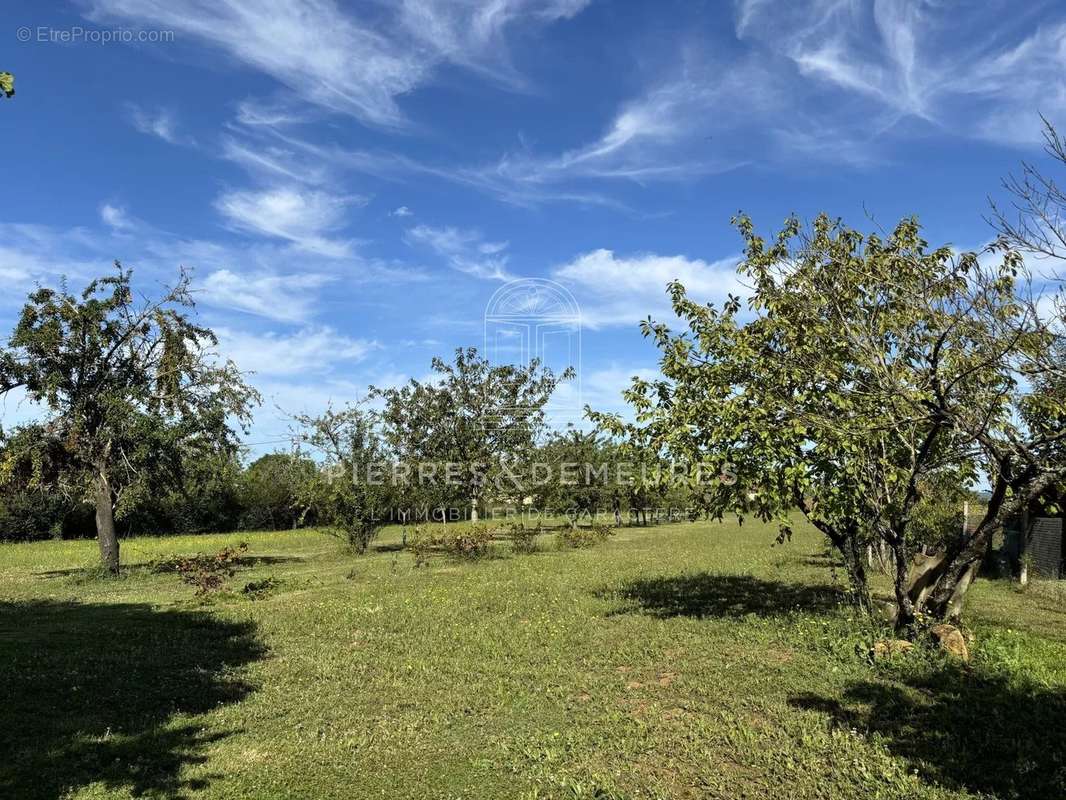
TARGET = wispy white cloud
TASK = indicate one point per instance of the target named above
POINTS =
(601, 389)
(271, 162)
(670, 131)
(312, 47)
(257, 277)
(661, 135)
(514, 184)
(254, 111)
(347, 62)
(402, 211)
(299, 369)
(963, 74)
(620, 290)
(116, 217)
(41, 253)
(309, 352)
(471, 34)
(161, 122)
(303, 217)
(465, 250)
(283, 297)
(636, 141)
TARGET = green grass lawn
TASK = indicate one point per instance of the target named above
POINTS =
(687, 661)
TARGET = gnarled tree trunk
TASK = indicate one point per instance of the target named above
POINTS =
(938, 584)
(852, 551)
(105, 521)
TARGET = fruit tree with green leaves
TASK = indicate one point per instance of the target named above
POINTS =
(130, 389)
(860, 370)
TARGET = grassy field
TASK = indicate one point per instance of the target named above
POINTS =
(685, 661)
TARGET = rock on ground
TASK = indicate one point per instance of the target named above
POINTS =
(890, 647)
(951, 641)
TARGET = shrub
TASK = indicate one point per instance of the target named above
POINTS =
(205, 572)
(577, 538)
(467, 543)
(27, 514)
(471, 543)
(523, 539)
(420, 544)
(269, 492)
(257, 590)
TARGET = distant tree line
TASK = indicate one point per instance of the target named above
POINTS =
(470, 443)
(209, 495)
(869, 382)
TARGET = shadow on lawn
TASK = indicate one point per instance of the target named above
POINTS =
(703, 594)
(242, 562)
(90, 692)
(963, 730)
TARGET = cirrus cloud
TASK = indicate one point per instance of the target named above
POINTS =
(301, 216)
(623, 290)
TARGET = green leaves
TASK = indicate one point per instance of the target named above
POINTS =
(474, 414)
(130, 390)
(862, 368)
(7, 84)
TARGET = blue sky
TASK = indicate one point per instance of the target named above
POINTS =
(351, 182)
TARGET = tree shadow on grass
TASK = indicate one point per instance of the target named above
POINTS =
(94, 572)
(704, 594)
(962, 729)
(91, 693)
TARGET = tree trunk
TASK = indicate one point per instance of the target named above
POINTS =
(853, 563)
(105, 523)
(905, 603)
(847, 544)
(956, 572)
(1023, 548)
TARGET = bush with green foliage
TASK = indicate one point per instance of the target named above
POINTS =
(342, 500)
(523, 539)
(207, 573)
(420, 544)
(257, 590)
(270, 492)
(469, 543)
(578, 538)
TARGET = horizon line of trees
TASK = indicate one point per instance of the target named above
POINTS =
(868, 381)
(284, 489)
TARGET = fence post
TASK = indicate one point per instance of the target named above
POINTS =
(1023, 545)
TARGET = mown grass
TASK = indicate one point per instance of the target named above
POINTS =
(690, 660)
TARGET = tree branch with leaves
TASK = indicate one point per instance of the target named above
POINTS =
(128, 387)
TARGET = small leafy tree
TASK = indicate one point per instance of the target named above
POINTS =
(340, 493)
(270, 488)
(481, 419)
(126, 386)
(865, 367)
(31, 506)
(7, 84)
(196, 490)
(581, 475)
